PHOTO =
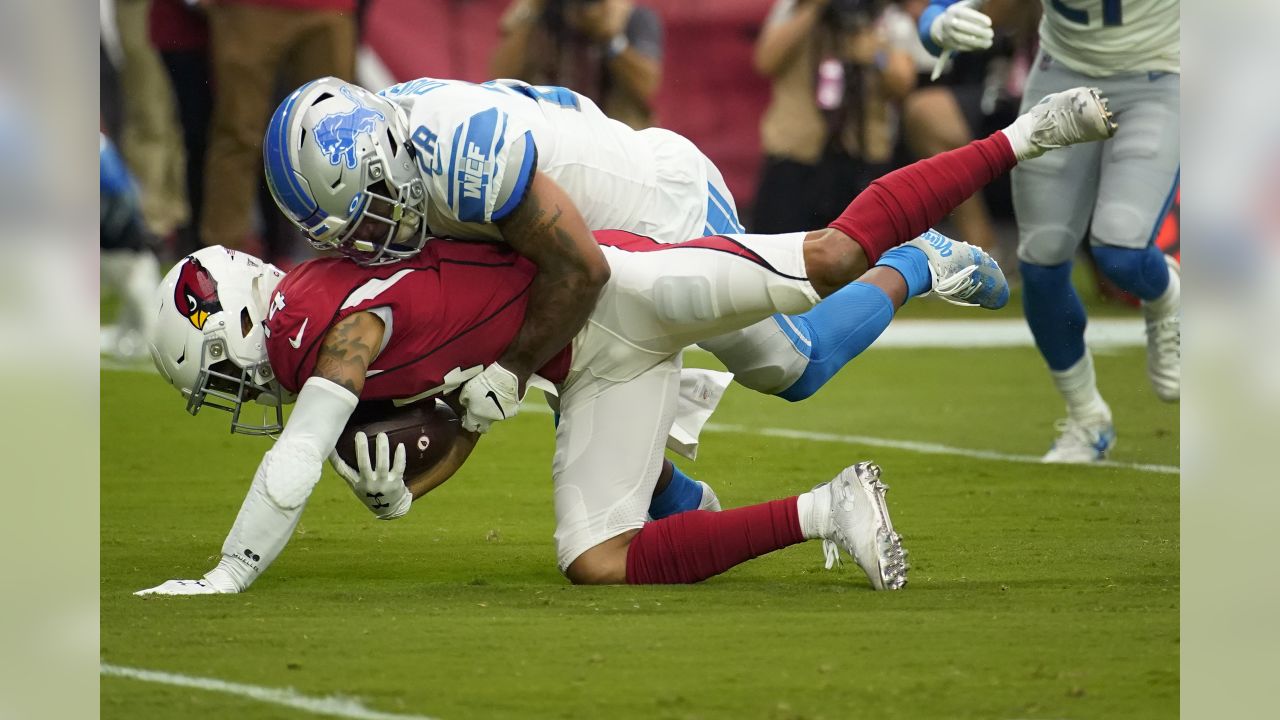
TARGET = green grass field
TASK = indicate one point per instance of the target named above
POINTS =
(1036, 591)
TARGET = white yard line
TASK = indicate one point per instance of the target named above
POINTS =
(922, 447)
(333, 706)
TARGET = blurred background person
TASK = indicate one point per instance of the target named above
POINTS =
(1118, 193)
(255, 45)
(149, 138)
(179, 32)
(832, 123)
(607, 50)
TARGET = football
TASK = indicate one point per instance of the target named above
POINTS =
(427, 429)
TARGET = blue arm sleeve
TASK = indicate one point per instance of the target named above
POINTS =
(936, 8)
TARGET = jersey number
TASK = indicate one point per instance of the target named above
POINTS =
(428, 156)
(1112, 12)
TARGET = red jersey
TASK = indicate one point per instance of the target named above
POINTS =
(452, 308)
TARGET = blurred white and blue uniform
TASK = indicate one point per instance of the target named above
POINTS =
(128, 265)
(1117, 192)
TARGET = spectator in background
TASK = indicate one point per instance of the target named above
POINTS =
(831, 126)
(149, 138)
(252, 42)
(607, 50)
(180, 33)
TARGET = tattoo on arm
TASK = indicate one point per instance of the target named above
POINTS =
(348, 349)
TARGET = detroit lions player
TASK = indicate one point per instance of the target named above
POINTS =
(371, 174)
(1117, 191)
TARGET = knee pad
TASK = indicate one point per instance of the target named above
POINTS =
(764, 357)
(1142, 272)
(1119, 224)
(1047, 246)
(683, 299)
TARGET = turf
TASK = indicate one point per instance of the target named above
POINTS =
(1036, 592)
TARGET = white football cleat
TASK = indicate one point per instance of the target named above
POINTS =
(710, 501)
(1081, 441)
(962, 274)
(1164, 343)
(1065, 118)
(859, 524)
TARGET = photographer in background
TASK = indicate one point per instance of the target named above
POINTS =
(608, 50)
(831, 126)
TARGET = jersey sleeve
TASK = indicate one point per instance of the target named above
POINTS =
(487, 160)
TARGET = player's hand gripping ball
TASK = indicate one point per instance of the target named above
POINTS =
(427, 428)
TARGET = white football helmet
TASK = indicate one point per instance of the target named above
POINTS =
(209, 340)
(340, 164)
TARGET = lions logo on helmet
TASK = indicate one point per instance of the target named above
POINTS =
(195, 294)
(336, 133)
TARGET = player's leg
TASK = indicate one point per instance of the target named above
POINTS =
(1053, 197)
(608, 456)
(802, 353)
(609, 446)
(1139, 179)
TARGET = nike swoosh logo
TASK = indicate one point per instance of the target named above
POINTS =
(296, 340)
(492, 396)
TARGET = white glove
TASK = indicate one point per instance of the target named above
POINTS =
(181, 587)
(962, 28)
(380, 485)
(491, 396)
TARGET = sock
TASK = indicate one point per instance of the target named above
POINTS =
(1054, 313)
(1169, 299)
(840, 327)
(1019, 135)
(913, 265)
(814, 511)
(694, 546)
(683, 493)
(1079, 387)
(1141, 272)
(906, 202)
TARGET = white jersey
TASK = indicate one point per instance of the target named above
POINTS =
(1109, 37)
(479, 144)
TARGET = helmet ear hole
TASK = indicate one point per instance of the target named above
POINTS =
(246, 322)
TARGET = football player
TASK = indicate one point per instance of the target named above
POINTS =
(372, 174)
(334, 332)
(1117, 192)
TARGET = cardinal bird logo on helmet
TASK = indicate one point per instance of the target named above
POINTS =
(195, 295)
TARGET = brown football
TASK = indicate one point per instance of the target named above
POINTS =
(427, 428)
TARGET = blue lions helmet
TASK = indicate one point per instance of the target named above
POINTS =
(340, 166)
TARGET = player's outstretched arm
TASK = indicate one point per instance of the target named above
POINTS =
(291, 468)
(547, 229)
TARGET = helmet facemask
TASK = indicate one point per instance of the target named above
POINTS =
(386, 226)
(223, 385)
